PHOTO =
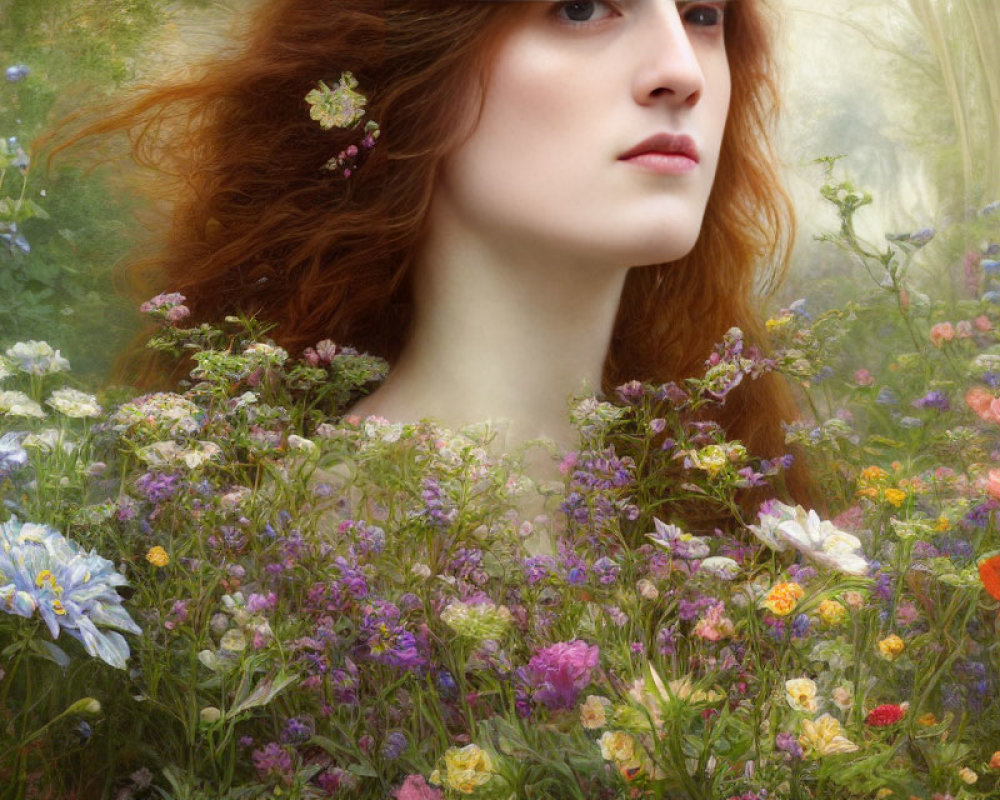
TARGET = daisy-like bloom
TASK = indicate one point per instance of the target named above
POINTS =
(782, 598)
(74, 403)
(594, 712)
(37, 358)
(801, 695)
(824, 737)
(339, 106)
(18, 404)
(479, 622)
(72, 590)
(891, 646)
(466, 768)
(820, 541)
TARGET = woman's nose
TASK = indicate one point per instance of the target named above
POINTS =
(667, 66)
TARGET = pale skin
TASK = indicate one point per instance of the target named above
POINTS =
(536, 219)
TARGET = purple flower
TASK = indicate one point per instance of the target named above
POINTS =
(606, 570)
(273, 763)
(933, 399)
(558, 673)
(666, 641)
(297, 729)
(156, 487)
(537, 568)
(393, 745)
(788, 743)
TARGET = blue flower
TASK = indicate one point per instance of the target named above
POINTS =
(12, 455)
(16, 73)
(990, 266)
(72, 590)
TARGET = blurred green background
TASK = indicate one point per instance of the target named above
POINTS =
(907, 90)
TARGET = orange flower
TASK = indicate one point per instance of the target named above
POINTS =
(783, 597)
(157, 556)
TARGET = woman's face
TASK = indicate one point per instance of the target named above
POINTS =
(574, 88)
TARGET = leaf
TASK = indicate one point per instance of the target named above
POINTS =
(266, 690)
(51, 652)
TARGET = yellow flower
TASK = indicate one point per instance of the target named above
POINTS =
(801, 694)
(942, 524)
(891, 646)
(832, 612)
(967, 776)
(617, 746)
(882, 793)
(895, 497)
(825, 737)
(467, 767)
(594, 712)
(777, 323)
(927, 719)
(870, 492)
(783, 597)
(157, 556)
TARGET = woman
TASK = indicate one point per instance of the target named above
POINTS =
(514, 236)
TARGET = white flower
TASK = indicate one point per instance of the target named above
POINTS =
(681, 544)
(725, 569)
(296, 442)
(47, 440)
(18, 404)
(801, 694)
(161, 454)
(4, 370)
(73, 403)
(817, 539)
(37, 358)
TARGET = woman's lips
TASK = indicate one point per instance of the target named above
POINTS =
(663, 163)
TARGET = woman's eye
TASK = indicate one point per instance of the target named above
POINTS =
(705, 16)
(581, 10)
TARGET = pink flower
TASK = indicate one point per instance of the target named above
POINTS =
(863, 378)
(993, 483)
(560, 672)
(982, 323)
(942, 332)
(715, 625)
(177, 313)
(983, 403)
(416, 788)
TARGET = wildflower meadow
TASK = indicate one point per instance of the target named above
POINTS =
(235, 590)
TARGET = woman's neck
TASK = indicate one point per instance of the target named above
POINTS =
(503, 333)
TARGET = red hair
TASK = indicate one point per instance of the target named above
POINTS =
(257, 226)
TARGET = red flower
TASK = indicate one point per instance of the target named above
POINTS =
(881, 716)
